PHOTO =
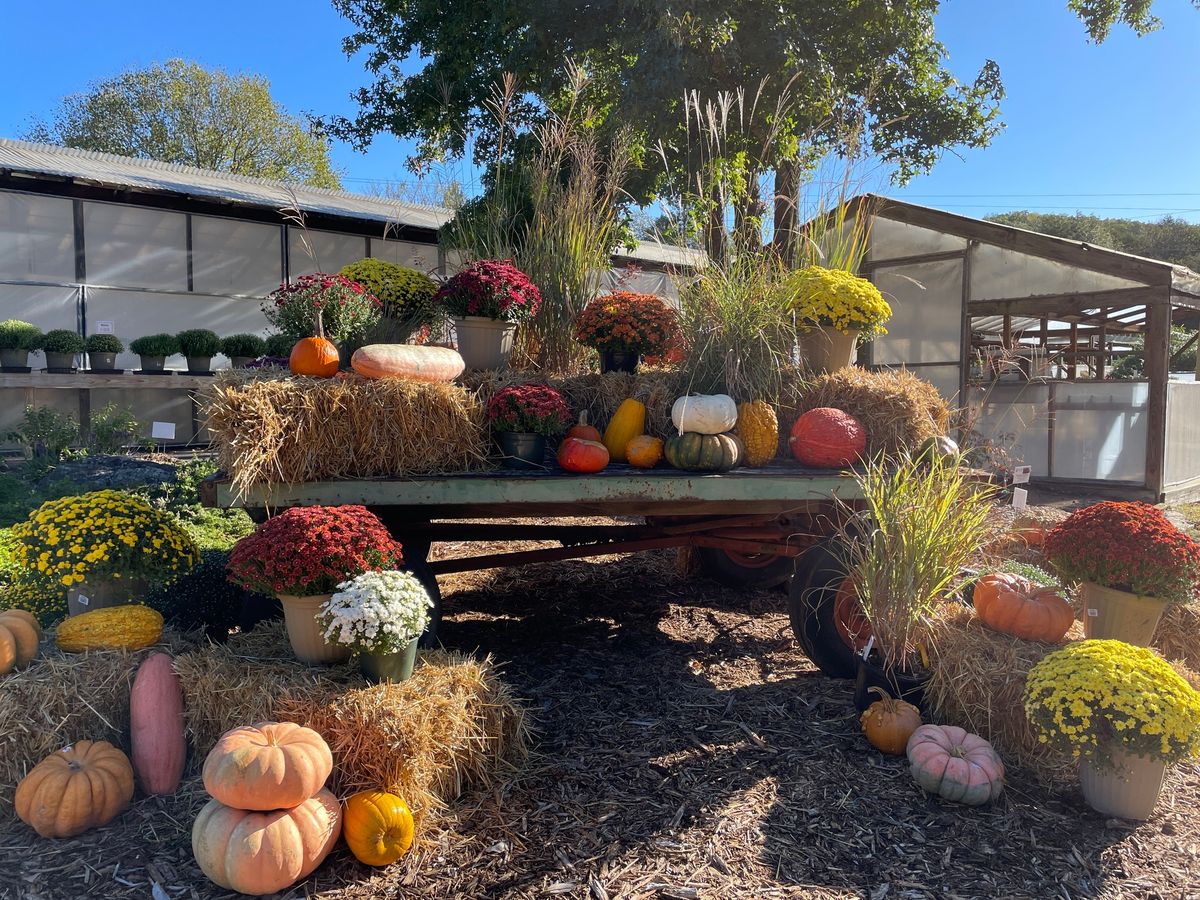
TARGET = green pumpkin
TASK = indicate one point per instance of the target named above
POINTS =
(940, 447)
(703, 452)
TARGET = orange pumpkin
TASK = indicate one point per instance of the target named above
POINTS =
(378, 827)
(81, 786)
(314, 356)
(271, 765)
(581, 456)
(1017, 606)
(953, 763)
(644, 451)
(889, 723)
(827, 438)
(264, 852)
(584, 431)
(19, 637)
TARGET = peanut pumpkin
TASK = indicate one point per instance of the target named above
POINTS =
(827, 438)
(130, 626)
(271, 765)
(20, 634)
(951, 762)
(1015, 605)
(628, 422)
(378, 827)
(82, 786)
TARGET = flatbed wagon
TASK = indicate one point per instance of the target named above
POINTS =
(761, 528)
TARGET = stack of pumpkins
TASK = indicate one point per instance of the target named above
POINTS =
(271, 821)
(705, 441)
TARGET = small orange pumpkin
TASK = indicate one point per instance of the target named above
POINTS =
(580, 456)
(1015, 605)
(82, 786)
(889, 723)
(378, 827)
(644, 451)
(314, 356)
(19, 637)
(584, 431)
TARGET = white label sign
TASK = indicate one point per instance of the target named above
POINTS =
(1020, 498)
(1021, 474)
(162, 431)
(105, 326)
(83, 599)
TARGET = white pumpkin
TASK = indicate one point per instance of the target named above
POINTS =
(705, 413)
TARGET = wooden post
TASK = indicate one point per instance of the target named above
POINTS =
(1158, 352)
(966, 348)
(1102, 359)
(1073, 368)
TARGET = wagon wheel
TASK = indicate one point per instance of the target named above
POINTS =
(753, 570)
(827, 619)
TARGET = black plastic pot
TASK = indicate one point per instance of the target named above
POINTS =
(900, 685)
(522, 450)
(618, 361)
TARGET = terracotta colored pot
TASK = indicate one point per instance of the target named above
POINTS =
(827, 349)
(1120, 615)
(304, 634)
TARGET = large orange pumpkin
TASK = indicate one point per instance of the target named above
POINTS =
(949, 761)
(82, 786)
(1017, 606)
(271, 765)
(378, 827)
(580, 456)
(827, 438)
(314, 356)
(264, 852)
(156, 740)
(19, 638)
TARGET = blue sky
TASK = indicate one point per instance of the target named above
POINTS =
(1111, 129)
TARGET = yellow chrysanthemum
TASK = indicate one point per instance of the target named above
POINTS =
(838, 299)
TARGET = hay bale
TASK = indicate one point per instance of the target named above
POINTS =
(453, 723)
(1175, 637)
(978, 683)
(270, 430)
(898, 409)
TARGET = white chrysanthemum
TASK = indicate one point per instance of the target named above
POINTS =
(377, 612)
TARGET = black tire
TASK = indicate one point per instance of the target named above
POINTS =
(717, 565)
(421, 570)
(811, 597)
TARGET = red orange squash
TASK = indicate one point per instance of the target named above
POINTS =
(584, 431)
(407, 361)
(1015, 605)
(264, 852)
(82, 786)
(158, 748)
(271, 765)
(949, 761)
(827, 438)
(315, 357)
(581, 456)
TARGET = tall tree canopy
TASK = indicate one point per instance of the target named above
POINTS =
(1171, 239)
(181, 112)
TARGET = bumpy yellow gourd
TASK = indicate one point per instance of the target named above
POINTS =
(128, 627)
(758, 428)
(628, 422)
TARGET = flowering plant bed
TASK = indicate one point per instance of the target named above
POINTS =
(342, 308)
(376, 612)
(108, 534)
(490, 289)
(628, 322)
(1092, 696)
(529, 409)
(835, 298)
(311, 550)
(1127, 546)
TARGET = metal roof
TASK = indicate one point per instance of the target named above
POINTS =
(128, 173)
(666, 254)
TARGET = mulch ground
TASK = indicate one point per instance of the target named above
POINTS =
(684, 748)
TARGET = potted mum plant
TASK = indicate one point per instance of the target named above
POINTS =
(60, 346)
(1131, 561)
(199, 346)
(522, 417)
(301, 556)
(919, 526)
(104, 547)
(17, 340)
(381, 616)
(243, 349)
(486, 302)
(154, 350)
(838, 307)
(406, 296)
(624, 326)
(325, 305)
(1123, 712)
(102, 350)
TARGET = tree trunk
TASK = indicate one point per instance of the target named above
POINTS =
(787, 189)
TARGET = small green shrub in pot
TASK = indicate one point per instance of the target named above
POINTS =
(17, 339)
(241, 348)
(406, 295)
(102, 350)
(60, 346)
(280, 345)
(154, 350)
(199, 345)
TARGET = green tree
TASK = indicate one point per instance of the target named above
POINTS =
(1099, 16)
(181, 112)
(1170, 239)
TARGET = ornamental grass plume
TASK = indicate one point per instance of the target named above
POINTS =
(628, 322)
(835, 298)
(309, 550)
(1128, 546)
(107, 534)
(1093, 697)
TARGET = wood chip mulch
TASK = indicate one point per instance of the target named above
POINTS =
(684, 749)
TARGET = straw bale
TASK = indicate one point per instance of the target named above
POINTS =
(270, 430)
(978, 683)
(898, 409)
(1178, 634)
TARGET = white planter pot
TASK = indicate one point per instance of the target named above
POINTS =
(484, 343)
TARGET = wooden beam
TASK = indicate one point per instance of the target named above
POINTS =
(1158, 351)
(1055, 304)
(1073, 367)
(915, 259)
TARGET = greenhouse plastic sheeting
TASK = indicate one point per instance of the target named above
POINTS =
(37, 238)
(422, 257)
(891, 239)
(1015, 417)
(1001, 274)
(330, 251)
(1104, 435)
(232, 257)
(46, 307)
(133, 246)
(926, 323)
(1183, 433)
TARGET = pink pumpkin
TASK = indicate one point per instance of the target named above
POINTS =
(158, 747)
(955, 764)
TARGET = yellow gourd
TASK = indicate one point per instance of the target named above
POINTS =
(628, 422)
(128, 627)
(758, 427)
